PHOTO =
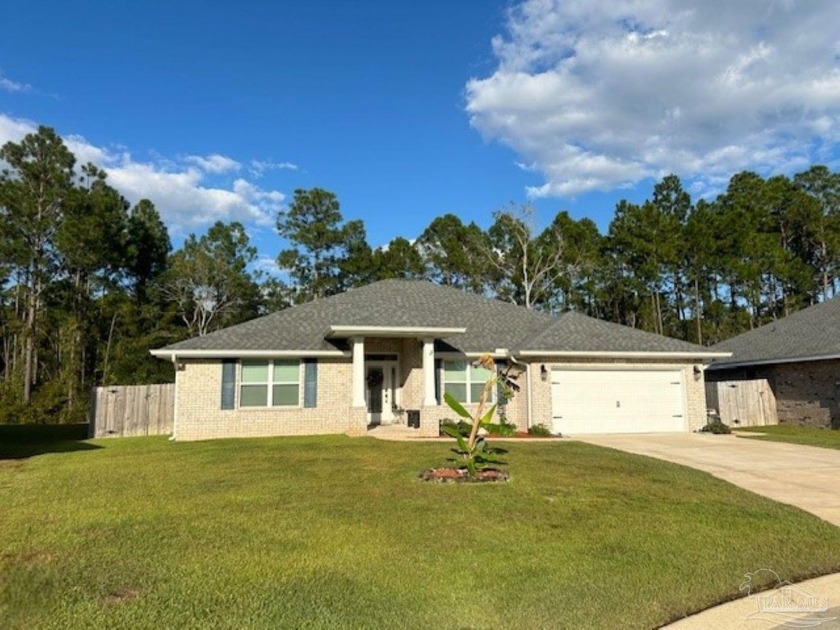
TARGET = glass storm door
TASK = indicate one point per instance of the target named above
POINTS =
(380, 393)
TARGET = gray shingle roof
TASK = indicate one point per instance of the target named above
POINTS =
(575, 332)
(811, 333)
(490, 324)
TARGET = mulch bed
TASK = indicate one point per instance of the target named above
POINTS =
(524, 434)
(459, 475)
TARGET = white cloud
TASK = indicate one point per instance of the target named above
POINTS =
(14, 128)
(602, 95)
(7, 85)
(259, 167)
(86, 152)
(214, 163)
(180, 189)
(268, 266)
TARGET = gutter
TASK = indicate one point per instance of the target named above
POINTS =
(175, 405)
(725, 365)
(623, 355)
(174, 355)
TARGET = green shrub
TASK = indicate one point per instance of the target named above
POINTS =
(447, 425)
(49, 404)
(539, 430)
(717, 427)
(502, 429)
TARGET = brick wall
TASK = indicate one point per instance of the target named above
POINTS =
(198, 415)
(412, 390)
(515, 409)
(806, 392)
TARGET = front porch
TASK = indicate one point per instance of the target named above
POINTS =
(394, 379)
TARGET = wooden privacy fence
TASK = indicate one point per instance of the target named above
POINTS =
(743, 403)
(132, 410)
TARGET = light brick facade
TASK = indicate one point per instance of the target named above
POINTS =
(199, 416)
(198, 413)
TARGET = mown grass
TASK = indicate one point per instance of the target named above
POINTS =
(810, 436)
(338, 532)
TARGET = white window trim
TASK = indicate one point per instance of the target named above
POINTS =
(269, 385)
(468, 382)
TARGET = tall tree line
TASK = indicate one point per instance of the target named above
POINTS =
(89, 283)
(700, 270)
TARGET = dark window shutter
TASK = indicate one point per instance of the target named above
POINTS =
(310, 383)
(500, 390)
(228, 383)
(438, 393)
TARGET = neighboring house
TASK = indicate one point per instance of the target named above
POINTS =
(799, 355)
(382, 353)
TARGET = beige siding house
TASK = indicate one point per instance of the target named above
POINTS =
(386, 353)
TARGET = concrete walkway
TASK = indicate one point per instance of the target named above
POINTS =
(751, 613)
(803, 476)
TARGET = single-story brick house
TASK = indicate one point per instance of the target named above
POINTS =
(799, 355)
(380, 354)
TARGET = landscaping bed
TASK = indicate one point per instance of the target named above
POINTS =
(524, 434)
(460, 475)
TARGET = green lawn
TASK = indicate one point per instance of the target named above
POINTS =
(827, 438)
(338, 532)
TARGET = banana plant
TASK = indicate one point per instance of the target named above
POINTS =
(472, 451)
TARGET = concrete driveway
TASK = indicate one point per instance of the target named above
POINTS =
(804, 476)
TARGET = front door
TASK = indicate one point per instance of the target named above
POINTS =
(380, 392)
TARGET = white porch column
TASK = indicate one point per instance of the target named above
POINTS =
(358, 371)
(429, 399)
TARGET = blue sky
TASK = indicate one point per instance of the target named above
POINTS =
(409, 110)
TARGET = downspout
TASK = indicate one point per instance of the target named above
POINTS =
(175, 405)
(527, 367)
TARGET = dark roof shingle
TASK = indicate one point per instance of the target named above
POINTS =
(490, 324)
(811, 333)
(405, 303)
(575, 332)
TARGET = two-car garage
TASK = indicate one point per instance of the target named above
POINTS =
(618, 401)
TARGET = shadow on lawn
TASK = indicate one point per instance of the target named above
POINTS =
(19, 441)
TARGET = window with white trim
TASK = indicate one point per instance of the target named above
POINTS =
(465, 382)
(269, 384)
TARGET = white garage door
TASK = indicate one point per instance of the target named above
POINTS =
(617, 401)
